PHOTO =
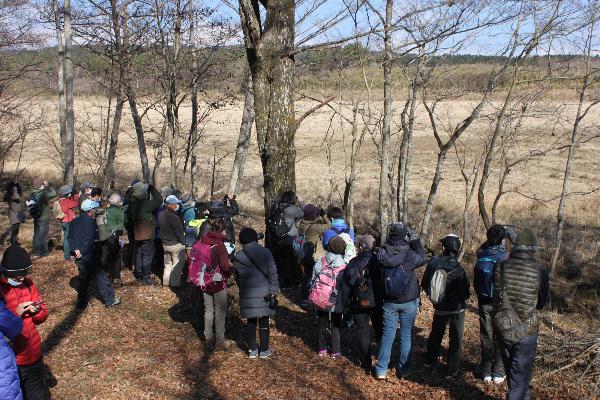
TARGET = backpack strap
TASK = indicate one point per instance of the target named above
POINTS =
(256, 266)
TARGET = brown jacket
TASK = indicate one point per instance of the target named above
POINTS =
(313, 233)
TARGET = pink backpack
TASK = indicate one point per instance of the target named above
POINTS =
(200, 272)
(323, 293)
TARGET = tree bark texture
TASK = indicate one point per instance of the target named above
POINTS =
(139, 131)
(69, 143)
(60, 69)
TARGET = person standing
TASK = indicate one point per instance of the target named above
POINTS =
(83, 241)
(490, 253)
(145, 199)
(10, 328)
(69, 206)
(115, 223)
(12, 197)
(172, 235)
(256, 276)
(37, 204)
(520, 283)
(22, 298)
(225, 207)
(449, 308)
(396, 262)
(312, 226)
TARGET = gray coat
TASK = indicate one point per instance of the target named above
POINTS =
(292, 215)
(254, 286)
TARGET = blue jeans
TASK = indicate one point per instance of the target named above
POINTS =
(66, 247)
(40, 237)
(392, 313)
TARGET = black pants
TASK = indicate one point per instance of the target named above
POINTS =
(90, 268)
(455, 344)
(263, 326)
(363, 330)
(286, 261)
(518, 363)
(33, 382)
(335, 326)
(491, 356)
(144, 257)
(111, 256)
(14, 233)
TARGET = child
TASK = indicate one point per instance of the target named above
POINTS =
(22, 298)
(450, 308)
(10, 328)
(324, 290)
(341, 229)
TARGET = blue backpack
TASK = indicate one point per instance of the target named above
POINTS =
(483, 280)
(394, 281)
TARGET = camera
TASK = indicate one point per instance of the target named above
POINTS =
(272, 300)
(261, 235)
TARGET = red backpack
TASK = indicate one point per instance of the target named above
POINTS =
(323, 294)
(200, 271)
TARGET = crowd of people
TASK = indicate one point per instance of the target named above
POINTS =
(344, 278)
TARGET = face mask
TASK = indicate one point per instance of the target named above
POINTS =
(177, 207)
(14, 282)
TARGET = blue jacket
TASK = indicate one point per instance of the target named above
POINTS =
(83, 236)
(497, 253)
(408, 255)
(10, 327)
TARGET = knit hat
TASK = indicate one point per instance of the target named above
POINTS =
(364, 242)
(527, 238)
(139, 190)
(397, 231)
(188, 198)
(172, 199)
(311, 212)
(327, 236)
(115, 199)
(133, 182)
(85, 185)
(89, 204)
(37, 183)
(65, 190)
(248, 235)
(15, 262)
(337, 245)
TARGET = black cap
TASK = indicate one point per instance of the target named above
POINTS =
(248, 235)
(15, 262)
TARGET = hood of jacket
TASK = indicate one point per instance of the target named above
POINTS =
(393, 254)
(491, 251)
(211, 238)
(339, 224)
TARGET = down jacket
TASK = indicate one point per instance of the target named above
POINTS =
(526, 284)
(10, 328)
(28, 345)
(256, 276)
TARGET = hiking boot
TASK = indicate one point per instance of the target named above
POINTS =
(222, 344)
(115, 302)
(266, 354)
(253, 354)
(209, 344)
(499, 379)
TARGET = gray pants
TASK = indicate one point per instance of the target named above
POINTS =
(174, 258)
(40, 237)
(215, 308)
(491, 355)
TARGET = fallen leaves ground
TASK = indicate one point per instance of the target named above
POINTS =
(148, 348)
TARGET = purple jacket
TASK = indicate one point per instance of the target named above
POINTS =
(10, 327)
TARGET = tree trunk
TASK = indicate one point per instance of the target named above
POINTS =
(272, 69)
(60, 68)
(139, 132)
(69, 144)
(109, 170)
(408, 155)
(241, 152)
(193, 133)
(384, 183)
(435, 183)
(159, 153)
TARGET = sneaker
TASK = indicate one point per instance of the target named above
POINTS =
(379, 377)
(335, 355)
(266, 354)
(322, 353)
(115, 302)
(487, 379)
(253, 353)
(499, 379)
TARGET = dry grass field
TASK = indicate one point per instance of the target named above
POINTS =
(148, 347)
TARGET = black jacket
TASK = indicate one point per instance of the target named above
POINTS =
(83, 236)
(526, 284)
(225, 209)
(408, 255)
(171, 228)
(359, 273)
(457, 284)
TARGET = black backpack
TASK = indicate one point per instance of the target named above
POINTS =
(33, 206)
(507, 324)
(362, 291)
(277, 224)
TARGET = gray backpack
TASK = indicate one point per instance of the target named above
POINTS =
(507, 324)
(437, 286)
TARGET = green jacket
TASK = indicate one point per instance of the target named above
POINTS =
(141, 213)
(115, 219)
(44, 196)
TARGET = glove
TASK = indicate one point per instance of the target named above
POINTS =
(411, 233)
(511, 233)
